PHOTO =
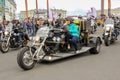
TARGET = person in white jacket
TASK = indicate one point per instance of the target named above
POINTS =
(9, 26)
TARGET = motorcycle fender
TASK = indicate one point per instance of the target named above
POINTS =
(93, 41)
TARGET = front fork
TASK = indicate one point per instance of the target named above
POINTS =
(8, 39)
(107, 34)
(36, 56)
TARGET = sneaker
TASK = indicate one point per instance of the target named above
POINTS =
(68, 46)
(77, 51)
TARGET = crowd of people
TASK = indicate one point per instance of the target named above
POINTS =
(28, 26)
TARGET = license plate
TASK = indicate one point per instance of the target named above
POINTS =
(106, 33)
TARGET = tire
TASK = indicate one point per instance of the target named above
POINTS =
(3, 48)
(21, 55)
(96, 49)
(106, 40)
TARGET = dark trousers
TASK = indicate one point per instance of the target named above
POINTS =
(74, 40)
(116, 31)
(29, 30)
(0, 36)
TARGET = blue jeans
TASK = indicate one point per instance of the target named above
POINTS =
(74, 40)
(116, 31)
(19, 35)
(29, 30)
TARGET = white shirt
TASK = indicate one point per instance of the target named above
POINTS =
(9, 27)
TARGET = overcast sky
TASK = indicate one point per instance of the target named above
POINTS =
(69, 5)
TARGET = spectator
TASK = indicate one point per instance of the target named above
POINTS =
(9, 26)
(1, 29)
(24, 25)
(29, 26)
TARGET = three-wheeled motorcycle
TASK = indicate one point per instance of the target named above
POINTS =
(49, 45)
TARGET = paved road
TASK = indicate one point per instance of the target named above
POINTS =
(103, 66)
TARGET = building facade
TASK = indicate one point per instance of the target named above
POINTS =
(115, 11)
(42, 13)
(2, 8)
(7, 9)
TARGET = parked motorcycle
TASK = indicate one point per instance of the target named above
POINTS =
(109, 35)
(10, 40)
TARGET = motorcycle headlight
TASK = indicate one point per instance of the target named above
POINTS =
(36, 38)
(107, 28)
(92, 24)
(6, 32)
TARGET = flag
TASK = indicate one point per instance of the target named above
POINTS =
(89, 14)
(93, 12)
(52, 15)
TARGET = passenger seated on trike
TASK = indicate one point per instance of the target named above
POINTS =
(71, 32)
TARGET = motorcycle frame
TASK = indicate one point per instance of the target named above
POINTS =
(8, 38)
(36, 54)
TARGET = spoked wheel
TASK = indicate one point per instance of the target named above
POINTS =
(25, 60)
(4, 47)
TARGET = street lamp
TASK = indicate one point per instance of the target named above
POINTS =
(47, 8)
(102, 7)
(109, 8)
(26, 5)
(37, 6)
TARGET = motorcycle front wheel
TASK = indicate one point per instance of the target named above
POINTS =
(4, 47)
(24, 58)
(107, 40)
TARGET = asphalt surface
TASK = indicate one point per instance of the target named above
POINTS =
(103, 66)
